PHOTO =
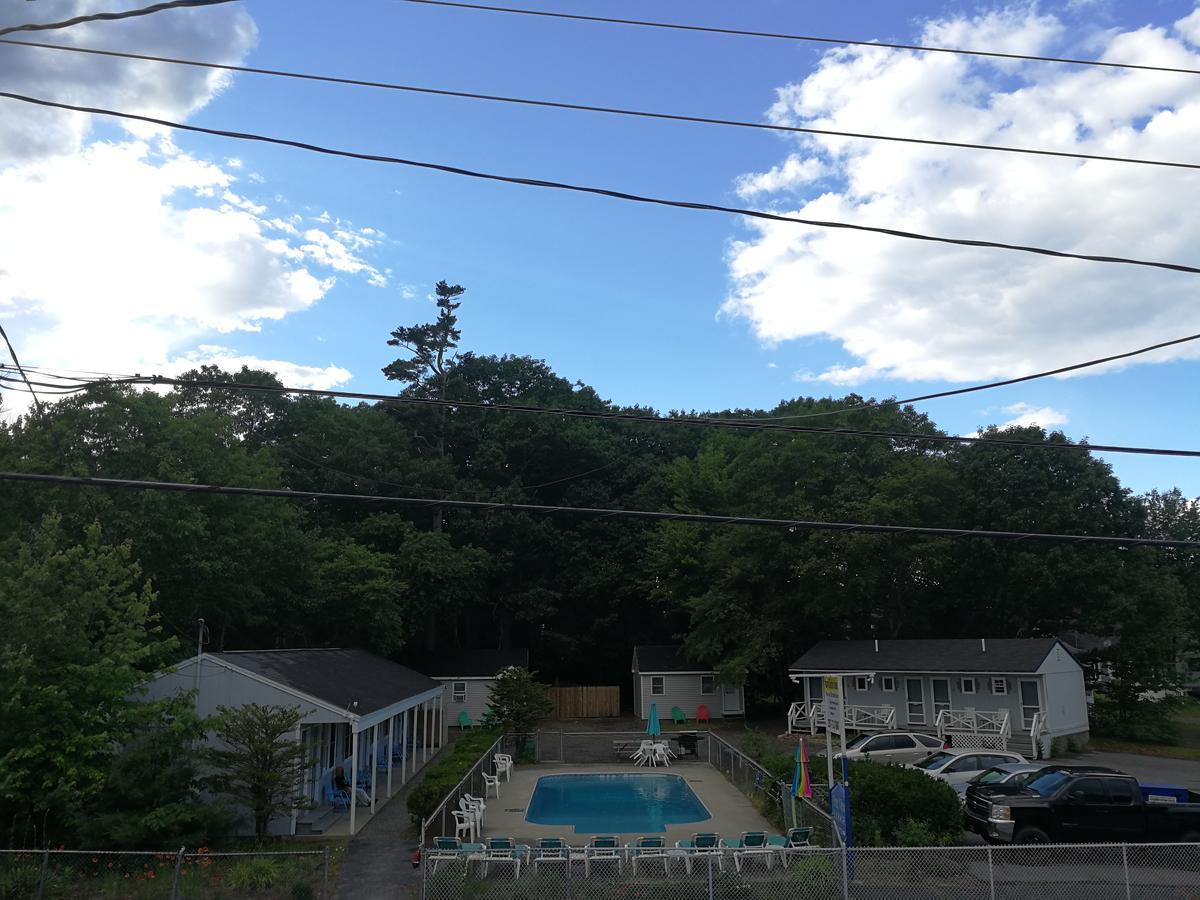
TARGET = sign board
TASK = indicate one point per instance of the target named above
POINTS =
(835, 722)
(839, 803)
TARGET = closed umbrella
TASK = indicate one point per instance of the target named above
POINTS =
(653, 726)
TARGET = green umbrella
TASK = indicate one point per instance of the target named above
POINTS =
(653, 726)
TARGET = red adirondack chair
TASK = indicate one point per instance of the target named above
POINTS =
(701, 714)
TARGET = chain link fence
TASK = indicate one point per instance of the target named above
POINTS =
(441, 820)
(1037, 872)
(182, 875)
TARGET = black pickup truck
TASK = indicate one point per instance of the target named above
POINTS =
(1067, 804)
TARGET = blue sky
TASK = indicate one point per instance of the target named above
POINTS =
(669, 308)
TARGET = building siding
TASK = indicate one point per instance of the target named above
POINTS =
(680, 690)
(1065, 696)
(477, 703)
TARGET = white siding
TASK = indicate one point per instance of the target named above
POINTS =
(479, 692)
(1064, 697)
(678, 690)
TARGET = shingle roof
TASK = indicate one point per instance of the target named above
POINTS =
(665, 658)
(480, 663)
(336, 676)
(959, 655)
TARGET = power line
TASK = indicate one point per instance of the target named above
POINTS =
(604, 192)
(111, 16)
(610, 110)
(995, 384)
(756, 424)
(13, 353)
(644, 515)
(807, 38)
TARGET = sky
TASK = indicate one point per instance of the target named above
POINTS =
(127, 248)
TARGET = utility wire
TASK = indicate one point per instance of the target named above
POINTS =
(16, 362)
(604, 192)
(756, 424)
(807, 38)
(111, 16)
(644, 515)
(611, 110)
(995, 384)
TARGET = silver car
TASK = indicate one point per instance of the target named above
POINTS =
(1012, 774)
(957, 766)
(892, 747)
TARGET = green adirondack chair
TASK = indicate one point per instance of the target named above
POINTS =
(464, 721)
(677, 716)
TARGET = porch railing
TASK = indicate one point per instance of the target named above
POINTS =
(973, 727)
(809, 716)
(1037, 728)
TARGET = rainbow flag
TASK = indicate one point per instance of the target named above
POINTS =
(801, 786)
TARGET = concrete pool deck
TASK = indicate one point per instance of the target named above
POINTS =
(731, 812)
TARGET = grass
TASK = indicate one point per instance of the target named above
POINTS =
(1186, 746)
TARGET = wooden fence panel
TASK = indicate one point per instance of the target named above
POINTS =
(586, 702)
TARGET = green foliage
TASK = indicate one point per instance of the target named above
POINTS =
(256, 873)
(19, 879)
(77, 639)
(890, 805)
(444, 775)
(301, 890)
(516, 702)
(257, 762)
(1152, 721)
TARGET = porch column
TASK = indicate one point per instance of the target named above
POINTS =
(391, 744)
(301, 741)
(404, 747)
(413, 735)
(424, 732)
(440, 720)
(353, 775)
(374, 762)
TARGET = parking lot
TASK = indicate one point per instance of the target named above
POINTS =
(1151, 769)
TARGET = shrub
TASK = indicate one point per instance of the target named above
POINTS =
(301, 890)
(1151, 721)
(441, 778)
(254, 874)
(19, 880)
(890, 804)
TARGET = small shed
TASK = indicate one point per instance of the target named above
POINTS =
(666, 675)
(1005, 693)
(378, 720)
(469, 676)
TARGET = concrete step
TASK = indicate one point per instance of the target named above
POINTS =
(318, 822)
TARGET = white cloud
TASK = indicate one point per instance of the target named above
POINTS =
(290, 373)
(793, 173)
(1189, 27)
(1024, 414)
(906, 310)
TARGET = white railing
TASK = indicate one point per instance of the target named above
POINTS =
(1037, 728)
(810, 716)
(806, 716)
(974, 727)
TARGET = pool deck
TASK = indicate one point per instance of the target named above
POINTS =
(731, 812)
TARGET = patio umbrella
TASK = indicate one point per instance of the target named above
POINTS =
(653, 726)
(801, 786)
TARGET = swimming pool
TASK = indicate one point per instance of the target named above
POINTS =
(614, 804)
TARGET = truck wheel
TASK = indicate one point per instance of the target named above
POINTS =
(1031, 835)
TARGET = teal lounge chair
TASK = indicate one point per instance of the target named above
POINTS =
(464, 721)
(751, 844)
(603, 848)
(648, 849)
(551, 851)
(795, 843)
(449, 849)
(702, 843)
(500, 852)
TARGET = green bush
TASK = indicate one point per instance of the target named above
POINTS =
(444, 776)
(1154, 722)
(255, 874)
(19, 880)
(301, 890)
(890, 804)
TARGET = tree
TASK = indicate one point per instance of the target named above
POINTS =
(258, 762)
(517, 702)
(425, 372)
(78, 639)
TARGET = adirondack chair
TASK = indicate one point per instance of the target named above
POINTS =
(464, 721)
(677, 716)
(702, 715)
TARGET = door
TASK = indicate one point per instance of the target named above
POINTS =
(966, 767)
(941, 695)
(1083, 811)
(903, 749)
(1031, 703)
(915, 694)
(731, 699)
(1125, 817)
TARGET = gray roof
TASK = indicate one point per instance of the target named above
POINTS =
(336, 676)
(956, 655)
(480, 663)
(666, 658)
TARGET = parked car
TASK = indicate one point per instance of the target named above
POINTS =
(1076, 803)
(1012, 774)
(893, 747)
(955, 766)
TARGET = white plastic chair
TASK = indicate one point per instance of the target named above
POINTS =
(464, 824)
(474, 814)
(491, 783)
(643, 754)
(658, 755)
(504, 765)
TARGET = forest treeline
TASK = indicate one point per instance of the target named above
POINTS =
(415, 583)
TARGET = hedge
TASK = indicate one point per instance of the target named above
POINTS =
(899, 807)
(443, 776)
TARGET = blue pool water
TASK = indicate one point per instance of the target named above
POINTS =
(614, 804)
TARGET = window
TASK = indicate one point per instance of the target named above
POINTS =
(707, 684)
(874, 745)
(902, 742)
(459, 691)
(933, 743)
(999, 686)
(888, 684)
(862, 684)
(656, 685)
(967, 685)
(935, 762)
(1120, 791)
(1089, 790)
(970, 763)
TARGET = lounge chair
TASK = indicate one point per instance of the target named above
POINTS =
(702, 843)
(794, 844)
(464, 721)
(504, 765)
(551, 851)
(677, 716)
(499, 852)
(490, 783)
(603, 848)
(449, 849)
(647, 848)
(335, 798)
(702, 715)
(751, 844)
